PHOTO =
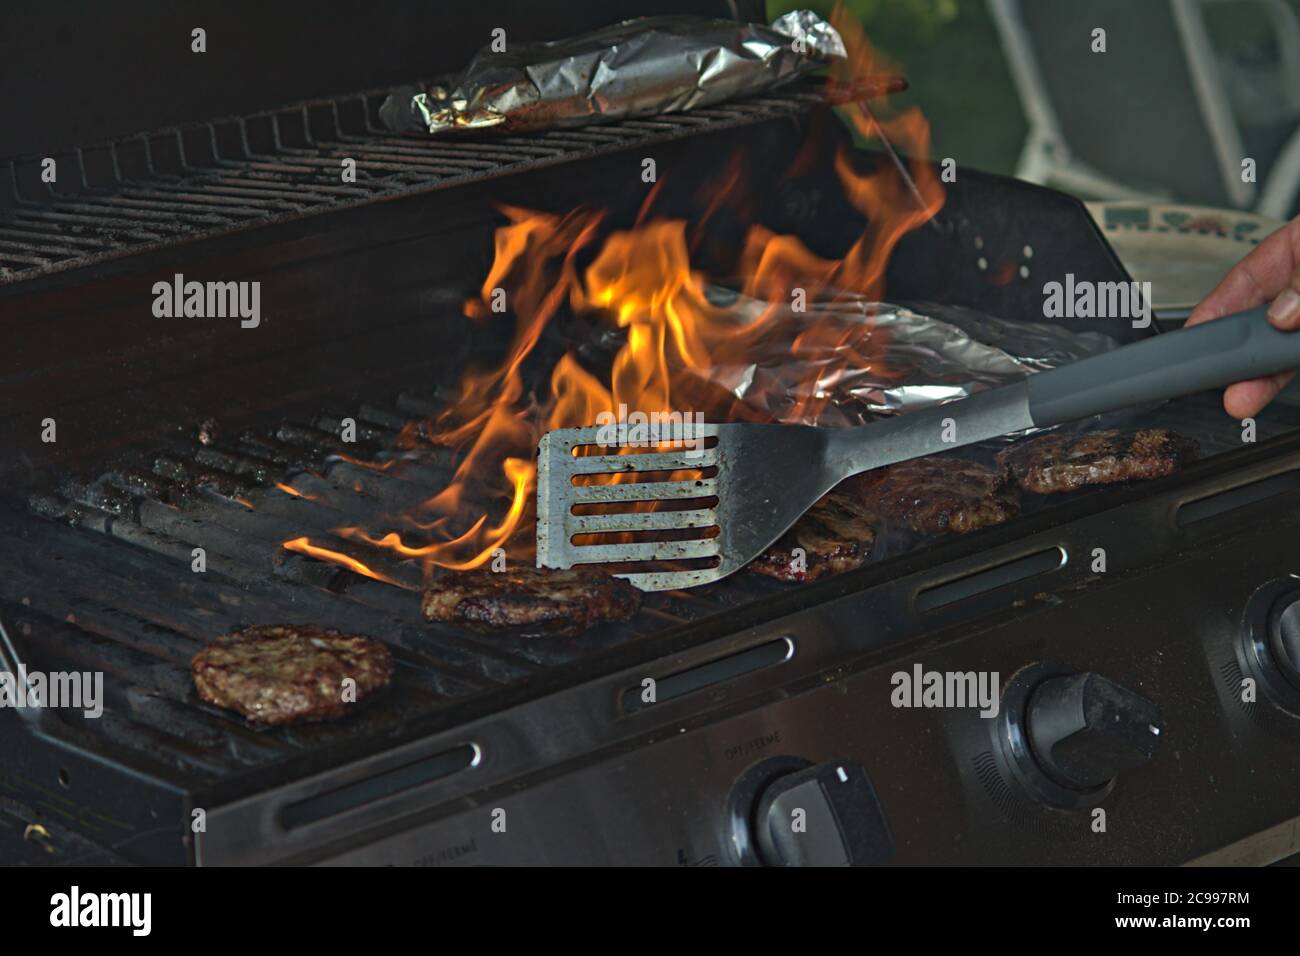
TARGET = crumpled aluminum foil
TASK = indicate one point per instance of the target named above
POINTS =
(638, 67)
(937, 354)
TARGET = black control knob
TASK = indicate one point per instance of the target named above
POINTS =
(1270, 648)
(1084, 729)
(1284, 637)
(823, 815)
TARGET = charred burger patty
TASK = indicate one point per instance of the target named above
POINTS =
(835, 536)
(1057, 462)
(530, 600)
(937, 495)
(281, 674)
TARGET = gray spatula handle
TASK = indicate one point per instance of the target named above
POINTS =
(1165, 366)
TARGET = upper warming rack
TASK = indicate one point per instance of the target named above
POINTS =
(212, 179)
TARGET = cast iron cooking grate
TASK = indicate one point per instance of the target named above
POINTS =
(108, 586)
(201, 181)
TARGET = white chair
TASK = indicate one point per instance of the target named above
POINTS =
(1150, 118)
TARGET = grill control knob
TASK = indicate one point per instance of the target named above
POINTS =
(823, 815)
(1270, 645)
(1284, 637)
(1084, 729)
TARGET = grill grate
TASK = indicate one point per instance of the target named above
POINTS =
(82, 601)
(196, 182)
(74, 598)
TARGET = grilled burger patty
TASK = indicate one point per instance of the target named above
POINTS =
(1057, 462)
(937, 495)
(289, 673)
(536, 600)
(835, 536)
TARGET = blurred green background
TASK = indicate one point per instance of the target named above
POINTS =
(951, 55)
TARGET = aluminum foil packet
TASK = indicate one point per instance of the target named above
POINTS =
(883, 359)
(640, 67)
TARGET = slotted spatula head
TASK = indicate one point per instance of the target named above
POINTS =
(673, 517)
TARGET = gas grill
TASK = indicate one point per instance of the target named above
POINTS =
(183, 434)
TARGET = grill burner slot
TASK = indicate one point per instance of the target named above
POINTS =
(381, 785)
(714, 672)
(1202, 509)
(989, 579)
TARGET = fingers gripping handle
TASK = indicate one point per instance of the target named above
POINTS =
(1165, 366)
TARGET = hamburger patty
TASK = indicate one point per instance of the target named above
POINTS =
(533, 600)
(937, 495)
(1057, 462)
(289, 673)
(835, 536)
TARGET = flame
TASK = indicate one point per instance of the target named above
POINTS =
(304, 546)
(294, 492)
(642, 283)
(480, 541)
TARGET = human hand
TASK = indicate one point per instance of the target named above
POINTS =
(1271, 273)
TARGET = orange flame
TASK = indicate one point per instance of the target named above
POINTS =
(480, 541)
(641, 281)
(294, 492)
(304, 546)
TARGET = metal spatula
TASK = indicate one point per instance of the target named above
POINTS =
(767, 476)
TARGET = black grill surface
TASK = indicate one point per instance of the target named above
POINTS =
(99, 577)
(108, 585)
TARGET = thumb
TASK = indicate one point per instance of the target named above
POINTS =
(1284, 311)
